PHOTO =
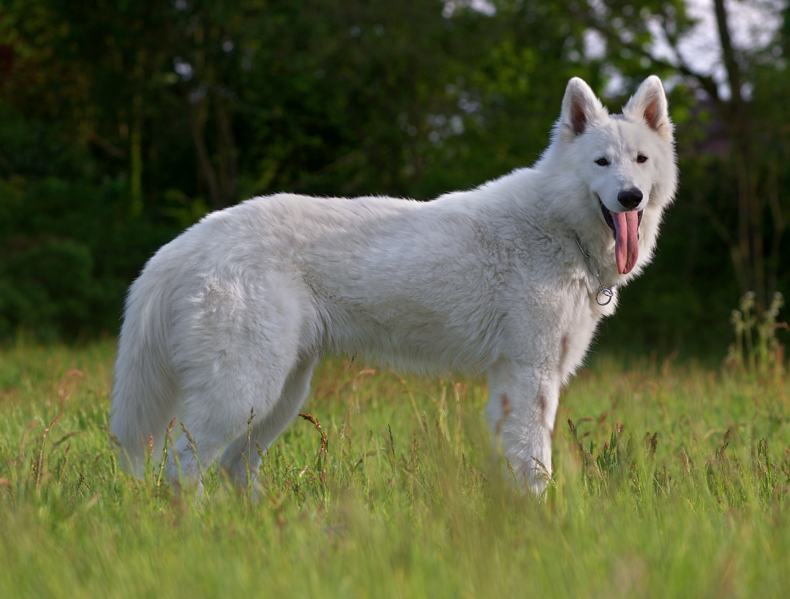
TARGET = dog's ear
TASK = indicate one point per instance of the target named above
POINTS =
(580, 108)
(649, 103)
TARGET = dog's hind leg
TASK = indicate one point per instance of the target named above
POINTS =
(267, 427)
(237, 354)
(219, 412)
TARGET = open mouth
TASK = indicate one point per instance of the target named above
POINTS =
(607, 215)
(625, 226)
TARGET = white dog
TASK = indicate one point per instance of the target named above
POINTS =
(510, 278)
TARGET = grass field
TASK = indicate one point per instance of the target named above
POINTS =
(672, 482)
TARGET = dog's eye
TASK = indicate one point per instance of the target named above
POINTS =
(641, 158)
(602, 162)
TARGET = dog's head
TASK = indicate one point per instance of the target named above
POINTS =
(626, 161)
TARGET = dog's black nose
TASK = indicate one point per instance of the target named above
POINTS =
(629, 198)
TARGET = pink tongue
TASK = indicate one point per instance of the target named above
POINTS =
(626, 240)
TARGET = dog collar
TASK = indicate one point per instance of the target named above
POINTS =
(607, 292)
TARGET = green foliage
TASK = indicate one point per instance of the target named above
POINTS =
(757, 350)
(146, 115)
(65, 271)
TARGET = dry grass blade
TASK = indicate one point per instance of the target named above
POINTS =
(193, 448)
(40, 461)
(163, 463)
(324, 444)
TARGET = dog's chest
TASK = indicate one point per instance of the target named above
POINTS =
(581, 324)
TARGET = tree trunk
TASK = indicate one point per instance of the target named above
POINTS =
(228, 170)
(736, 119)
(197, 123)
(136, 160)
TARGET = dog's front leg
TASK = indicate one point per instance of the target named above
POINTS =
(521, 411)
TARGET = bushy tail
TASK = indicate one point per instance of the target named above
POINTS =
(145, 394)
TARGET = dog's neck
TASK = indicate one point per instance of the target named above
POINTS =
(605, 294)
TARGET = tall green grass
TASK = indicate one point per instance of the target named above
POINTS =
(669, 481)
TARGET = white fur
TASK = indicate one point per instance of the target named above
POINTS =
(233, 314)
